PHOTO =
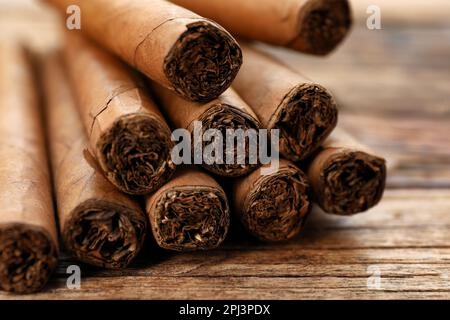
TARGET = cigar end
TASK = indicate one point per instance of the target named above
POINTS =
(323, 25)
(204, 61)
(135, 154)
(190, 218)
(105, 234)
(277, 206)
(28, 257)
(351, 182)
(305, 117)
(222, 117)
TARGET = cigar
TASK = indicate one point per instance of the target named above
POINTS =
(180, 50)
(227, 112)
(274, 206)
(346, 177)
(28, 237)
(189, 213)
(303, 111)
(128, 135)
(99, 225)
(310, 26)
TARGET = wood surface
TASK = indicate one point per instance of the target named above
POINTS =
(393, 88)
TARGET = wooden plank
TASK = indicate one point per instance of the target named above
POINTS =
(407, 237)
(331, 287)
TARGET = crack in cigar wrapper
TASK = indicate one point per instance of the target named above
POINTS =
(105, 234)
(277, 206)
(203, 62)
(191, 218)
(324, 26)
(221, 118)
(135, 153)
(352, 182)
(27, 258)
(306, 116)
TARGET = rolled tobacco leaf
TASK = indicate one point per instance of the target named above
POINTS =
(227, 112)
(303, 111)
(128, 135)
(275, 206)
(173, 46)
(189, 213)
(99, 225)
(345, 176)
(310, 26)
(28, 237)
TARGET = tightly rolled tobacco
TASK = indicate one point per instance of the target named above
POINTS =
(274, 206)
(310, 26)
(303, 111)
(28, 237)
(128, 135)
(227, 112)
(189, 213)
(99, 225)
(173, 46)
(345, 176)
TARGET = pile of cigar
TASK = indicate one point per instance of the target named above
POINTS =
(87, 132)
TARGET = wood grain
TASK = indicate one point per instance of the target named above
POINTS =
(407, 237)
(393, 89)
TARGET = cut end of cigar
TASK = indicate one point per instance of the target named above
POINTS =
(352, 182)
(191, 218)
(135, 154)
(105, 234)
(277, 206)
(203, 62)
(305, 118)
(28, 257)
(222, 117)
(323, 25)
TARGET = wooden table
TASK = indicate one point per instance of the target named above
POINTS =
(393, 87)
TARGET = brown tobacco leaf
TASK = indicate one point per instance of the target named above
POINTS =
(191, 218)
(190, 212)
(105, 234)
(351, 182)
(203, 62)
(135, 153)
(310, 26)
(27, 258)
(274, 207)
(225, 117)
(305, 118)
(323, 27)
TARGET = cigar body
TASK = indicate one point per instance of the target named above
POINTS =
(99, 225)
(303, 111)
(127, 134)
(28, 238)
(173, 46)
(274, 206)
(346, 177)
(190, 212)
(227, 112)
(310, 26)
